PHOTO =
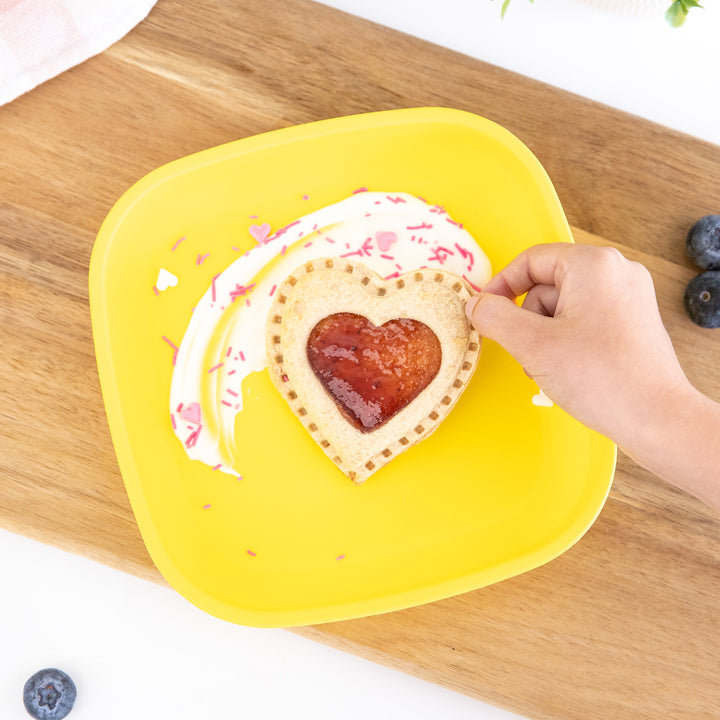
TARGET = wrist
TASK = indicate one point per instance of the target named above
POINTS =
(678, 440)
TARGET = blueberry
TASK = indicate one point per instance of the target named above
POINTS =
(49, 694)
(702, 299)
(703, 242)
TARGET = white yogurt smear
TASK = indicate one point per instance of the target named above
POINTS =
(391, 233)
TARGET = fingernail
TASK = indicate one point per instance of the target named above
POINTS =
(470, 306)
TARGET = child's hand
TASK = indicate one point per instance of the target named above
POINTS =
(589, 333)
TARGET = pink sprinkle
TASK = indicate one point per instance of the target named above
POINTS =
(202, 258)
(440, 254)
(172, 422)
(393, 275)
(155, 290)
(207, 507)
(329, 239)
(452, 222)
(419, 197)
(250, 552)
(272, 290)
(192, 414)
(232, 392)
(239, 477)
(241, 290)
(282, 230)
(236, 249)
(215, 367)
(193, 437)
(466, 255)
(229, 352)
(179, 407)
(284, 378)
(242, 355)
(340, 557)
(284, 249)
(315, 226)
(471, 284)
(174, 347)
(308, 244)
(177, 243)
(359, 190)
(385, 238)
(305, 197)
(398, 266)
(247, 302)
(225, 402)
(395, 200)
(424, 226)
(387, 257)
(217, 467)
(253, 217)
(232, 372)
(213, 286)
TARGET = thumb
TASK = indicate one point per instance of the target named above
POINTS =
(498, 318)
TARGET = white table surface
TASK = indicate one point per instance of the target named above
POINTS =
(139, 650)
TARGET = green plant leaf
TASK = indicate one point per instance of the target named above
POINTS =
(676, 14)
(505, 7)
(678, 11)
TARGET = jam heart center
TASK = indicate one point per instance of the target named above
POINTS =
(372, 372)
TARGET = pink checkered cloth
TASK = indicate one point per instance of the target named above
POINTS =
(41, 38)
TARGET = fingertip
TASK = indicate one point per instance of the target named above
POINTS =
(470, 306)
(496, 285)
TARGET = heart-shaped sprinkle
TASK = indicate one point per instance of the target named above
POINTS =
(191, 413)
(542, 400)
(260, 232)
(385, 240)
(372, 372)
(165, 280)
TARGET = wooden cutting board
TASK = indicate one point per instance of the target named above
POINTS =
(625, 624)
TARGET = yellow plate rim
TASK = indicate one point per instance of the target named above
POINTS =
(131, 477)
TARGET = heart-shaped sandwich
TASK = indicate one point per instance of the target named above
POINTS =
(370, 367)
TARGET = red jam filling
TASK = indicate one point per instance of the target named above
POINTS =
(372, 372)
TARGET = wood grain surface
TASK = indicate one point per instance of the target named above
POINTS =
(625, 624)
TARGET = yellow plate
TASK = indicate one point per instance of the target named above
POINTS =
(502, 486)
